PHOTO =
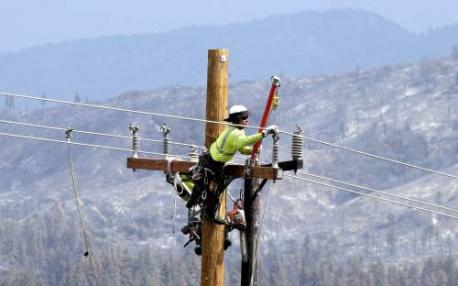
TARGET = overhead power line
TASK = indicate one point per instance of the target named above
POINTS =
(374, 156)
(223, 122)
(94, 133)
(371, 196)
(117, 109)
(88, 145)
(378, 192)
(370, 190)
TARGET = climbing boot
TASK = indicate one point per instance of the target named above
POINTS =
(184, 186)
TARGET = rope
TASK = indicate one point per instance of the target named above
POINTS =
(370, 196)
(88, 253)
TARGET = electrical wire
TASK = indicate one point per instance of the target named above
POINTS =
(370, 196)
(378, 191)
(121, 109)
(223, 122)
(88, 145)
(95, 133)
(374, 156)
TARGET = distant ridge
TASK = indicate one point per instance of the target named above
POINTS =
(296, 44)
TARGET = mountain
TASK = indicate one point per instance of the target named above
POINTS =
(404, 112)
(305, 43)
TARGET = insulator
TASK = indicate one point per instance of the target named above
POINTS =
(135, 145)
(297, 144)
(134, 129)
(165, 131)
(193, 154)
(275, 150)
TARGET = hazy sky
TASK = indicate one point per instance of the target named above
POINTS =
(25, 23)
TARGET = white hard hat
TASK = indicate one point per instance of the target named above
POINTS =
(237, 109)
(236, 112)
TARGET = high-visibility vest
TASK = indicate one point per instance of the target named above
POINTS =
(230, 141)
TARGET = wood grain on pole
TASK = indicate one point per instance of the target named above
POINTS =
(212, 271)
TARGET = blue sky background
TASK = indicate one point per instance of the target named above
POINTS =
(25, 23)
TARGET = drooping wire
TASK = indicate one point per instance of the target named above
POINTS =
(89, 253)
(378, 191)
(94, 133)
(85, 144)
(370, 196)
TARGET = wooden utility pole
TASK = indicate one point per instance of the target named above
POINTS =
(252, 210)
(213, 235)
(212, 271)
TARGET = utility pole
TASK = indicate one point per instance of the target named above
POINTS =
(212, 270)
(252, 209)
(213, 235)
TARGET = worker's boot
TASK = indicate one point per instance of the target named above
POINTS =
(183, 186)
(194, 198)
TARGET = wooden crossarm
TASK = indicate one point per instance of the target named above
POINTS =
(183, 166)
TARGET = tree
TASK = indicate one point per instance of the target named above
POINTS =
(454, 53)
(9, 102)
(77, 97)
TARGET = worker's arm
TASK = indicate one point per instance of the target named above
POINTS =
(244, 142)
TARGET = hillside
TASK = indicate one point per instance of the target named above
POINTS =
(306, 43)
(405, 112)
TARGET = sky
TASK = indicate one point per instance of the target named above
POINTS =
(25, 23)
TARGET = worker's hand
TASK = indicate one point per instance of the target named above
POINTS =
(259, 149)
(270, 130)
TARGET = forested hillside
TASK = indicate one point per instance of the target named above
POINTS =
(311, 234)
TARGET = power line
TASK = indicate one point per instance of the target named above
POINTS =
(88, 145)
(374, 156)
(118, 109)
(223, 122)
(370, 196)
(94, 133)
(370, 190)
(378, 191)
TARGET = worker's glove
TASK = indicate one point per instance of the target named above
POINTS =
(270, 130)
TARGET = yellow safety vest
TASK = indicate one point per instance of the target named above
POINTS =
(230, 141)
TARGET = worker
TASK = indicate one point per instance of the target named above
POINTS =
(210, 166)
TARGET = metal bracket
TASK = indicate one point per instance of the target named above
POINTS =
(247, 172)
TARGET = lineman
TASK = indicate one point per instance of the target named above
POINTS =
(231, 141)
